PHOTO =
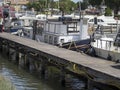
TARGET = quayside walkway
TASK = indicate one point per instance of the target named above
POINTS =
(97, 69)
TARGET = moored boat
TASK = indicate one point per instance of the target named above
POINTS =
(107, 45)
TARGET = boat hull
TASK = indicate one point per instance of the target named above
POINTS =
(80, 45)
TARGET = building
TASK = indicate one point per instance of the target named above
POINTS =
(18, 4)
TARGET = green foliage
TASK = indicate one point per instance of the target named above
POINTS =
(113, 4)
(67, 6)
(5, 84)
(95, 2)
(108, 12)
(38, 6)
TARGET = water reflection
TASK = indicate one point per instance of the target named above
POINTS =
(23, 80)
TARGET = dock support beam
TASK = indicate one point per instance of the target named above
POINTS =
(0, 45)
(89, 85)
(63, 76)
(8, 51)
(16, 57)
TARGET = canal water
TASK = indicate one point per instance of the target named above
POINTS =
(24, 80)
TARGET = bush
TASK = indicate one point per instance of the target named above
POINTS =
(108, 12)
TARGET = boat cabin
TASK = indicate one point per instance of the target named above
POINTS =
(58, 31)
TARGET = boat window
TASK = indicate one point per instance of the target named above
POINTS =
(50, 39)
(46, 38)
(55, 40)
(40, 27)
(102, 20)
(98, 20)
(39, 17)
(44, 18)
(91, 20)
(62, 40)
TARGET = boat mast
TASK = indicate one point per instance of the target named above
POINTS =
(81, 20)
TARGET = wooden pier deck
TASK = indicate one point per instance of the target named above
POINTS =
(102, 70)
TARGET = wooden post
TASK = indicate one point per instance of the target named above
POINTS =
(0, 45)
(63, 76)
(20, 59)
(26, 62)
(8, 51)
(89, 85)
(16, 57)
(34, 28)
(31, 65)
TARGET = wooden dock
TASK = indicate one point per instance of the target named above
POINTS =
(100, 70)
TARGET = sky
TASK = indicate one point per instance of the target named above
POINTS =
(76, 0)
(72, 0)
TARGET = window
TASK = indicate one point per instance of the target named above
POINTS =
(91, 20)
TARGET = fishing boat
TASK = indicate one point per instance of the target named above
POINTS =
(106, 44)
(64, 32)
(59, 31)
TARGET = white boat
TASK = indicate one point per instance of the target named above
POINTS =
(103, 20)
(60, 31)
(107, 45)
(42, 17)
(57, 31)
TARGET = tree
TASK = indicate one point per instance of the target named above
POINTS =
(84, 4)
(67, 6)
(108, 12)
(64, 5)
(95, 2)
(113, 4)
(38, 6)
